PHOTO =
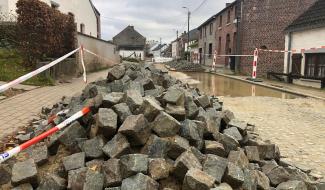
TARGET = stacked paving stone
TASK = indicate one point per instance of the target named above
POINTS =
(148, 131)
(184, 66)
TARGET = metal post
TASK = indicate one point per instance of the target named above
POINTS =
(160, 47)
(188, 35)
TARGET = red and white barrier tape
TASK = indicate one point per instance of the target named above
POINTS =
(36, 72)
(227, 55)
(254, 74)
(290, 51)
(9, 154)
(52, 118)
(83, 63)
(104, 58)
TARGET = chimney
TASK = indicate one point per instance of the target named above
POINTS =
(227, 4)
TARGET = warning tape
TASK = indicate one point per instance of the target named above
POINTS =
(104, 58)
(83, 63)
(290, 51)
(9, 154)
(228, 55)
(52, 118)
(38, 71)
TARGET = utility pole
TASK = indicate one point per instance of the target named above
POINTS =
(176, 34)
(188, 32)
(160, 47)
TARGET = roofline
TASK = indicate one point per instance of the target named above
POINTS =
(304, 28)
(216, 15)
(133, 29)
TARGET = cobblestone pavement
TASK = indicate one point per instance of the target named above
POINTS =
(297, 126)
(17, 111)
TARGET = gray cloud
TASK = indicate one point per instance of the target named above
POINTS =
(154, 18)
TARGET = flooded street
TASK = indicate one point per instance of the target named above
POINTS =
(222, 86)
(296, 124)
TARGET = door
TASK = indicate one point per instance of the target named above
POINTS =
(200, 55)
(296, 64)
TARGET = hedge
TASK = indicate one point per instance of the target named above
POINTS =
(43, 31)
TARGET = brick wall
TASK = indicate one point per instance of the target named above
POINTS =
(224, 29)
(262, 24)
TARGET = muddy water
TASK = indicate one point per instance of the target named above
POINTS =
(223, 86)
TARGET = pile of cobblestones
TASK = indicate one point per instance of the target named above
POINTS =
(148, 131)
(184, 66)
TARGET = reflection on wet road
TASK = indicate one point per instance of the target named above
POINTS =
(223, 86)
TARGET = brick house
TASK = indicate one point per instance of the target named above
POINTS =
(244, 25)
(219, 33)
(262, 26)
(226, 32)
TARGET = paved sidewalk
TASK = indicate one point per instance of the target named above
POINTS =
(17, 111)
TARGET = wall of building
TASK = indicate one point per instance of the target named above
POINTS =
(82, 10)
(262, 24)
(226, 28)
(4, 6)
(307, 39)
(100, 47)
(174, 50)
(205, 39)
(128, 53)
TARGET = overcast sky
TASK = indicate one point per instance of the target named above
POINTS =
(154, 18)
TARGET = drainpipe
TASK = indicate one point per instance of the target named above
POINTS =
(238, 44)
(289, 54)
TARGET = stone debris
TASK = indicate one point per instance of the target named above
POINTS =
(24, 172)
(74, 161)
(148, 131)
(40, 154)
(197, 179)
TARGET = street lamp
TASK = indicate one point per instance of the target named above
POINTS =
(188, 31)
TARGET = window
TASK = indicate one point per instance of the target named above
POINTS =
(205, 31)
(219, 46)
(227, 49)
(210, 50)
(211, 29)
(82, 28)
(201, 33)
(220, 21)
(228, 18)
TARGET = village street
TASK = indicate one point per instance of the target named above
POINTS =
(162, 95)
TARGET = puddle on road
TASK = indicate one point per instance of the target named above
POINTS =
(223, 86)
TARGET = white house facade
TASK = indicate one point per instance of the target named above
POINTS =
(307, 39)
(306, 35)
(86, 15)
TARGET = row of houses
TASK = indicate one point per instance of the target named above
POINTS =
(244, 25)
